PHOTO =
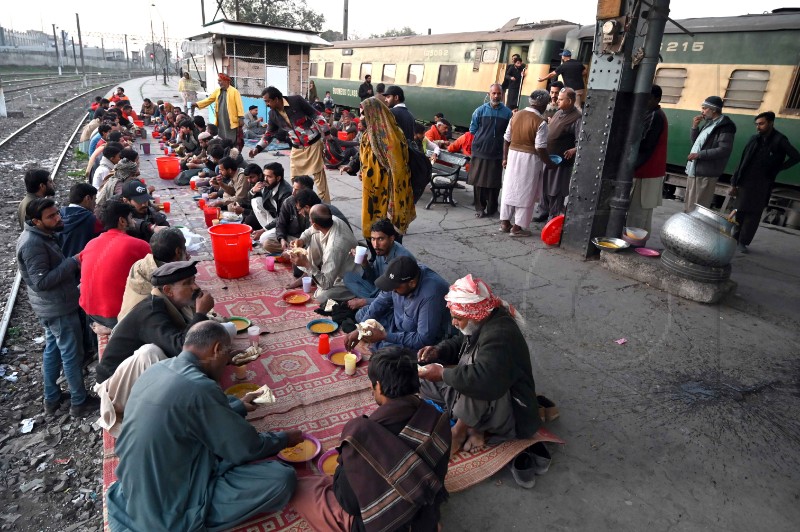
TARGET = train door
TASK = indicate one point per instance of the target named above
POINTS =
(509, 50)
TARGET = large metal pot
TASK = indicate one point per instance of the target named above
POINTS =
(702, 237)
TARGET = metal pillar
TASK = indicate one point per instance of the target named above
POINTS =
(166, 52)
(64, 45)
(3, 110)
(80, 43)
(346, 16)
(153, 46)
(58, 56)
(74, 55)
(103, 48)
(602, 177)
(127, 59)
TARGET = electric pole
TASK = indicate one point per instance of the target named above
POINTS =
(127, 59)
(80, 43)
(58, 57)
(344, 25)
(74, 55)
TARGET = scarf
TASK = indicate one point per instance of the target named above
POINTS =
(386, 179)
(473, 299)
(698, 145)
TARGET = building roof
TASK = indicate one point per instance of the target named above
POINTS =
(260, 32)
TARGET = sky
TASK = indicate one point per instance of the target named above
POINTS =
(182, 18)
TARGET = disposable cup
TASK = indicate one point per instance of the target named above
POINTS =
(252, 334)
(240, 372)
(231, 328)
(361, 252)
(270, 263)
(307, 285)
(350, 363)
(193, 185)
(156, 199)
(201, 203)
(167, 207)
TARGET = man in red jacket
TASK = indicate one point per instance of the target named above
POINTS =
(651, 165)
(106, 262)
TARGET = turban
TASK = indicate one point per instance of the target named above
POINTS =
(471, 298)
(223, 77)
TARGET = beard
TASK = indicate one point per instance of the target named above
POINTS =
(471, 328)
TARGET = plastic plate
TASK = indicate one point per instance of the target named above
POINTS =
(309, 442)
(337, 357)
(240, 390)
(322, 324)
(325, 456)
(648, 252)
(296, 297)
(241, 323)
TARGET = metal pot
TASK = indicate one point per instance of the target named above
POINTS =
(702, 237)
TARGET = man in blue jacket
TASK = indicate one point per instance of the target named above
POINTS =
(489, 122)
(80, 223)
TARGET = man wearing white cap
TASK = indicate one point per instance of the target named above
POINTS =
(484, 379)
(711, 149)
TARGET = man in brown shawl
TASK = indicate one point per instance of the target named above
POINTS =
(563, 132)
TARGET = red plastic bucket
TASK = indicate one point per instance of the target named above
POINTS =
(231, 245)
(168, 167)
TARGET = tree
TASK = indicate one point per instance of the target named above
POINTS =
(332, 35)
(403, 32)
(281, 13)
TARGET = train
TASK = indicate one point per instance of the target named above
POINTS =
(752, 61)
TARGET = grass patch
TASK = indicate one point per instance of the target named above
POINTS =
(13, 332)
(76, 173)
(80, 155)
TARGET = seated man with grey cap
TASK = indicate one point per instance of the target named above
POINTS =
(411, 307)
(153, 330)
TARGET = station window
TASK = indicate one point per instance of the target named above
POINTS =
(328, 70)
(366, 69)
(447, 76)
(346, 68)
(746, 88)
(415, 74)
(490, 55)
(793, 101)
(671, 81)
(313, 70)
(389, 72)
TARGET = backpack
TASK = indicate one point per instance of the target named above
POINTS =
(419, 167)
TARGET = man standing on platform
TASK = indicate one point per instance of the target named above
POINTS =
(711, 149)
(181, 425)
(293, 120)
(229, 109)
(563, 132)
(764, 156)
(365, 90)
(489, 123)
(572, 73)
(395, 100)
(525, 158)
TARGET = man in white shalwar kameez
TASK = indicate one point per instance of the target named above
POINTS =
(525, 157)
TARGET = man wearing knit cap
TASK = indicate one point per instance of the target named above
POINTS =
(525, 157)
(711, 148)
(228, 109)
(483, 379)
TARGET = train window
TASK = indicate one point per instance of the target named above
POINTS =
(793, 101)
(389, 72)
(366, 70)
(415, 74)
(328, 70)
(312, 69)
(746, 88)
(490, 55)
(671, 81)
(447, 75)
(346, 67)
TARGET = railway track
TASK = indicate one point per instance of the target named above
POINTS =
(23, 139)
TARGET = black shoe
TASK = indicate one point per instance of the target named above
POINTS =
(89, 406)
(541, 457)
(523, 470)
(52, 408)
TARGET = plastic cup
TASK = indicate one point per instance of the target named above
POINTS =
(240, 372)
(270, 263)
(204, 196)
(193, 185)
(215, 221)
(307, 285)
(201, 203)
(231, 328)
(156, 199)
(350, 363)
(361, 252)
(166, 151)
(252, 334)
(167, 207)
(324, 344)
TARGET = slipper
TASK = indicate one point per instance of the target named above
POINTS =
(521, 233)
(505, 227)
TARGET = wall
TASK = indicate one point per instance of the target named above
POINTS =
(19, 57)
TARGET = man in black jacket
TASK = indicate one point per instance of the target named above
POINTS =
(147, 220)
(289, 224)
(365, 89)
(484, 378)
(267, 199)
(764, 156)
(395, 98)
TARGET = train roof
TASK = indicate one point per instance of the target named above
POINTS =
(524, 33)
(779, 20)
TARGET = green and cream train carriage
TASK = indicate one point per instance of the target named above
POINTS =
(750, 60)
(449, 73)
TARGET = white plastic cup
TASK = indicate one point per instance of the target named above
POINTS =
(156, 199)
(307, 285)
(252, 334)
(231, 328)
(205, 196)
(361, 252)
(350, 363)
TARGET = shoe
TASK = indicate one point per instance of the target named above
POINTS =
(89, 406)
(505, 226)
(521, 233)
(523, 470)
(742, 248)
(548, 410)
(51, 408)
(541, 457)
(539, 219)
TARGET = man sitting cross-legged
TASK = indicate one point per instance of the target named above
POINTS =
(153, 330)
(411, 307)
(186, 453)
(392, 464)
(362, 284)
(488, 385)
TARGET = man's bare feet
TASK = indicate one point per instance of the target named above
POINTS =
(458, 437)
(475, 442)
(297, 283)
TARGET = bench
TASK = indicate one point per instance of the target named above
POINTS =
(444, 176)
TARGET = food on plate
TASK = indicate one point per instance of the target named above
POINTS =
(305, 450)
(241, 324)
(330, 463)
(266, 397)
(607, 245)
(297, 251)
(322, 328)
(249, 355)
(296, 299)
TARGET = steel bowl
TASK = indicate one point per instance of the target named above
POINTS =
(612, 245)
(698, 238)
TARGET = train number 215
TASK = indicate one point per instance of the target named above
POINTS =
(674, 46)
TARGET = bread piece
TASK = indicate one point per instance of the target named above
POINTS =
(249, 355)
(266, 397)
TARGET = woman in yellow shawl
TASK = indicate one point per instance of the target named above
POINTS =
(385, 177)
